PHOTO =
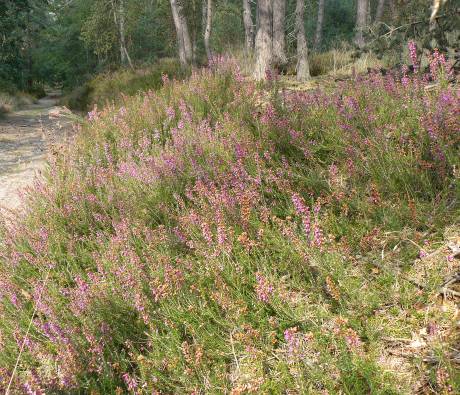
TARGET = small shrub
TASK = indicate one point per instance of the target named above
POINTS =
(6, 103)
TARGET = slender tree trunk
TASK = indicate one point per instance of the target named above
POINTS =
(204, 7)
(319, 25)
(368, 13)
(119, 18)
(207, 33)
(183, 36)
(125, 55)
(248, 26)
(361, 22)
(179, 33)
(187, 40)
(264, 40)
(380, 9)
(279, 39)
(303, 68)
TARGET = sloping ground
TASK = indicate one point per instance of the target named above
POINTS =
(220, 237)
(25, 138)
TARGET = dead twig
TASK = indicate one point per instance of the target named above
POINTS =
(444, 288)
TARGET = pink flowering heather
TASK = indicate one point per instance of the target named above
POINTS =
(291, 336)
(197, 215)
(439, 66)
(304, 212)
(264, 289)
(352, 339)
(413, 55)
(405, 79)
(130, 381)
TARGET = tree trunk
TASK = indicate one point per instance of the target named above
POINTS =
(183, 36)
(248, 26)
(369, 16)
(319, 25)
(380, 9)
(207, 33)
(361, 22)
(303, 68)
(279, 40)
(119, 16)
(264, 40)
(125, 55)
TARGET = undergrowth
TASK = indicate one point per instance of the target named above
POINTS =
(221, 237)
(111, 86)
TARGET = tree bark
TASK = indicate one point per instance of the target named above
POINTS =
(361, 22)
(183, 36)
(207, 33)
(369, 16)
(303, 68)
(119, 16)
(319, 25)
(248, 26)
(279, 39)
(380, 9)
(264, 40)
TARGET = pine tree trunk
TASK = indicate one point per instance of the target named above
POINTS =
(303, 68)
(380, 9)
(264, 40)
(361, 22)
(183, 36)
(319, 25)
(207, 33)
(279, 39)
(248, 26)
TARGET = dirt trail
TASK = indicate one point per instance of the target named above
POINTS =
(25, 136)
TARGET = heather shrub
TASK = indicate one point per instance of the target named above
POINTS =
(216, 237)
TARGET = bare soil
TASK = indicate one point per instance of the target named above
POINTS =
(25, 138)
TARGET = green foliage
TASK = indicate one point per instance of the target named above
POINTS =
(21, 22)
(99, 32)
(111, 87)
(411, 22)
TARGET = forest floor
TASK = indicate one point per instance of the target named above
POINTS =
(26, 136)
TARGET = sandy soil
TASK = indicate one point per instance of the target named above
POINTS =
(25, 137)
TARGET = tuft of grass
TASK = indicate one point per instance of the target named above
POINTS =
(218, 236)
(10, 102)
(6, 103)
(343, 62)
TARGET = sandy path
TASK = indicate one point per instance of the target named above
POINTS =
(25, 136)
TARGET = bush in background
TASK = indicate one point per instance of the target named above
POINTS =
(110, 87)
